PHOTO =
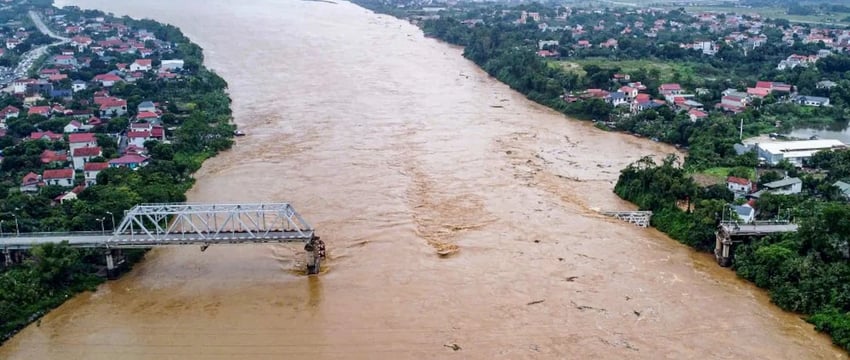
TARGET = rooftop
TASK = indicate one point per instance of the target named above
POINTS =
(802, 145)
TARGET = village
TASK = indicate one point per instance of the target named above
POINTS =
(79, 118)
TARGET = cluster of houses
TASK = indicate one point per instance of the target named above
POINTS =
(78, 165)
(745, 31)
(745, 188)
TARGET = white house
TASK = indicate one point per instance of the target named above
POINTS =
(91, 169)
(61, 177)
(745, 213)
(81, 140)
(171, 65)
(73, 126)
(142, 65)
(739, 186)
(81, 156)
(78, 85)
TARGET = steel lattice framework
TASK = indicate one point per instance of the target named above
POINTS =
(185, 224)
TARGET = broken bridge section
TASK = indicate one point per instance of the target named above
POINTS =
(729, 233)
(639, 218)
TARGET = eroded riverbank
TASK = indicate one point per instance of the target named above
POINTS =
(391, 145)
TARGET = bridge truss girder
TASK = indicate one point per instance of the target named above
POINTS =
(164, 224)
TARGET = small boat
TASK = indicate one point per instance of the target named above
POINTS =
(238, 133)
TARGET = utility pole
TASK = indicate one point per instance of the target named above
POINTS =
(741, 131)
(102, 229)
(113, 219)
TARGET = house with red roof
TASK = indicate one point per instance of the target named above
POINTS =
(108, 80)
(30, 182)
(670, 89)
(129, 161)
(81, 156)
(147, 116)
(9, 112)
(142, 65)
(71, 195)
(81, 140)
(81, 42)
(583, 44)
(39, 110)
(629, 91)
(61, 177)
(696, 114)
(50, 156)
(73, 126)
(67, 60)
(758, 92)
(112, 107)
(739, 186)
(91, 169)
(45, 135)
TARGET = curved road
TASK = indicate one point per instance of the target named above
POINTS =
(29, 57)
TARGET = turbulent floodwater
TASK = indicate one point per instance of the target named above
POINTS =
(396, 147)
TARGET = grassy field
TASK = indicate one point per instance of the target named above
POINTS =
(775, 13)
(665, 69)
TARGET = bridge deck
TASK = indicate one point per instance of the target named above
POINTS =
(758, 229)
(136, 241)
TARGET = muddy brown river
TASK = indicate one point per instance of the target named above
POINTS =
(395, 147)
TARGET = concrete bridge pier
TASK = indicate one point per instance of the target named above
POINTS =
(723, 248)
(315, 249)
(7, 254)
(114, 259)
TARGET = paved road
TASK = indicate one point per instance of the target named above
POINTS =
(29, 57)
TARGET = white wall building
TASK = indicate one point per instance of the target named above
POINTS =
(794, 151)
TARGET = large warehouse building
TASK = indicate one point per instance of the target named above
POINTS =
(794, 151)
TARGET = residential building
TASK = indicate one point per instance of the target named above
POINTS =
(61, 177)
(696, 114)
(129, 161)
(45, 135)
(739, 186)
(81, 156)
(786, 186)
(91, 169)
(81, 140)
(808, 100)
(78, 85)
(9, 112)
(148, 106)
(746, 213)
(112, 107)
(142, 65)
(107, 80)
(670, 89)
(30, 182)
(794, 151)
(173, 65)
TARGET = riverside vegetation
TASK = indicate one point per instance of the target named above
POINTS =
(806, 272)
(198, 116)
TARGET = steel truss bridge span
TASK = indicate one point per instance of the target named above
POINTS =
(152, 225)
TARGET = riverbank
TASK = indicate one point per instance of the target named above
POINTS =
(189, 99)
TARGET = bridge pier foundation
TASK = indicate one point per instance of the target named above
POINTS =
(114, 259)
(723, 248)
(315, 253)
(7, 254)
